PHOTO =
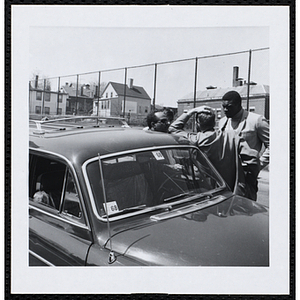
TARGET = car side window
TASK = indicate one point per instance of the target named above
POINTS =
(71, 204)
(47, 178)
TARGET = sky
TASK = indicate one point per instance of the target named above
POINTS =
(65, 50)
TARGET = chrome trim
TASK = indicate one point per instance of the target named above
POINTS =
(138, 150)
(149, 209)
(69, 164)
(41, 258)
(58, 217)
(39, 123)
(188, 209)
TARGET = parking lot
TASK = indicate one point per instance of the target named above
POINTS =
(263, 188)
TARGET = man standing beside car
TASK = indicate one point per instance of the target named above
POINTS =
(159, 120)
(223, 149)
(254, 129)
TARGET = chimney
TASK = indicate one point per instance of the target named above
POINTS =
(211, 87)
(235, 76)
(131, 83)
(36, 81)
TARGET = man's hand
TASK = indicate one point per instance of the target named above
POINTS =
(199, 109)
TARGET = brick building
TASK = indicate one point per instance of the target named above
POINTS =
(212, 96)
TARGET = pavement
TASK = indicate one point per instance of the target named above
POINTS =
(264, 175)
(263, 187)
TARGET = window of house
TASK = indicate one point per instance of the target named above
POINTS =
(47, 110)
(252, 108)
(60, 98)
(106, 95)
(38, 95)
(102, 104)
(146, 109)
(59, 111)
(38, 109)
(140, 109)
(111, 94)
(47, 97)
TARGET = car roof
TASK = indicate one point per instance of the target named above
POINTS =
(81, 144)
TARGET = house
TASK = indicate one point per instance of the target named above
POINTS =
(258, 97)
(115, 95)
(46, 102)
(79, 102)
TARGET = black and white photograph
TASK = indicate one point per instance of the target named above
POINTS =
(150, 150)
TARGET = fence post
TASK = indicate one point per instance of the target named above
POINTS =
(43, 97)
(58, 90)
(154, 92)
(98, 95)
(125, 80)
(248, 87)
(29, 99)
(195, 91)
(76, 101)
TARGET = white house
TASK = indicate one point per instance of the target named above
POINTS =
(111, 103)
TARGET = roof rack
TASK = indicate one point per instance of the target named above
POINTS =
(45, 125)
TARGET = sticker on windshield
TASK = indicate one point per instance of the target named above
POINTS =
(158, 155)
(112, 207)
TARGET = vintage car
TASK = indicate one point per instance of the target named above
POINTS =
(102, 196)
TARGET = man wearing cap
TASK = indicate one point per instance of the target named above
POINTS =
(254, 129)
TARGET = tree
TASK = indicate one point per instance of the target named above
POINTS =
(35, 82)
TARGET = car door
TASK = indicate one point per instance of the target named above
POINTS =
(59, 232)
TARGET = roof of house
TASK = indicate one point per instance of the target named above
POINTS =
(71, 90)
(39, 89)
(213, 94)
(135, 91)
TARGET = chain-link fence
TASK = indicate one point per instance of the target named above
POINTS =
(132, 92)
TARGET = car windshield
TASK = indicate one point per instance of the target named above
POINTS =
(150, 178)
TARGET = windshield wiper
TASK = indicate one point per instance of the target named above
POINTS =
(192, 194)
(128, 209)
(179, 196)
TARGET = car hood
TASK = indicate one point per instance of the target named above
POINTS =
(232, 233)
